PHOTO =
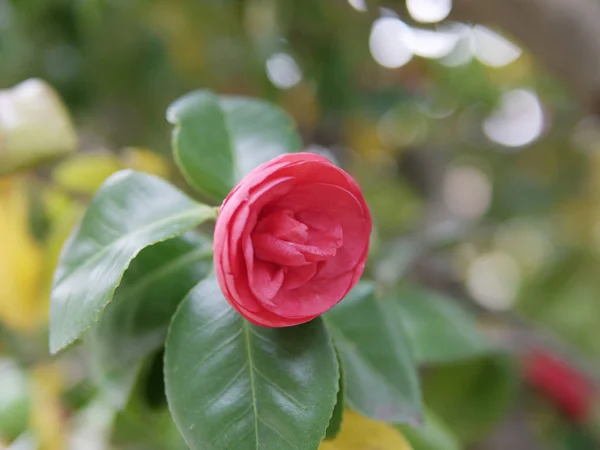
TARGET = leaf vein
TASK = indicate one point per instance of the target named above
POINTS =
(233, 380)
(272, 346)
(279, 433)
(128, 238)
(287, 395)
(217, 349)
(229, 424)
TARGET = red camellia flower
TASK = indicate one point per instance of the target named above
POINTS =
(291, 240)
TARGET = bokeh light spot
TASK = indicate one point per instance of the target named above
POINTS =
(518, 121)
(493, 279)
(283, 71)
(359, 5)
(429, 11)
(430, 43)
(388, 42)
(467, 192)
(493, 49)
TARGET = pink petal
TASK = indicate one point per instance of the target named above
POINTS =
(269, 248)
(282, 225)
(335, 201)
(320, 170)
(298, 276)
(312, 298)
(265, 280)
(356, 243)
(236, 218)
(268, 319)
(234, 266)
(321, 221)
(315, 253)
(347, 211)
(241, 222)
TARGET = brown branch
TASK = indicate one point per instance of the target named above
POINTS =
(563, 35)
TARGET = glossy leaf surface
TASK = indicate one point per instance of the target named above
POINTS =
(219, 139)
(130, 212)
(439, 329)
(335, 422)
(381, 377)
(231, 384)
(136, 321)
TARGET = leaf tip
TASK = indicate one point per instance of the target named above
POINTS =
(57, 343)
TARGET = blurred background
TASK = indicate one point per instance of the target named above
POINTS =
(470, 124)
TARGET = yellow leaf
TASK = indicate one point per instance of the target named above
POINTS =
(20, 259)
(362, 135)
(147, 161)
(85, 173)
(47, 418)
(361, 433)
(56, 202)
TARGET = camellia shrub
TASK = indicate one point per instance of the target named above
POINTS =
(269, 333)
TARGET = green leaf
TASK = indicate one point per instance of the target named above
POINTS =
(15, 400)
(142, 426)
(396, 259)
(231, 384)
(159, 278)
(380, 375)
(335, 422)
(218, 139)
(116, 383)
(130, 212)
(439, 329)
(432, 435)
(471, 396)
(136, 321)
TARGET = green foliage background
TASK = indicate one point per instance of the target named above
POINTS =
(119, 64)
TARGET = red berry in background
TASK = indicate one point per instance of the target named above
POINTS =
(571, 391)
